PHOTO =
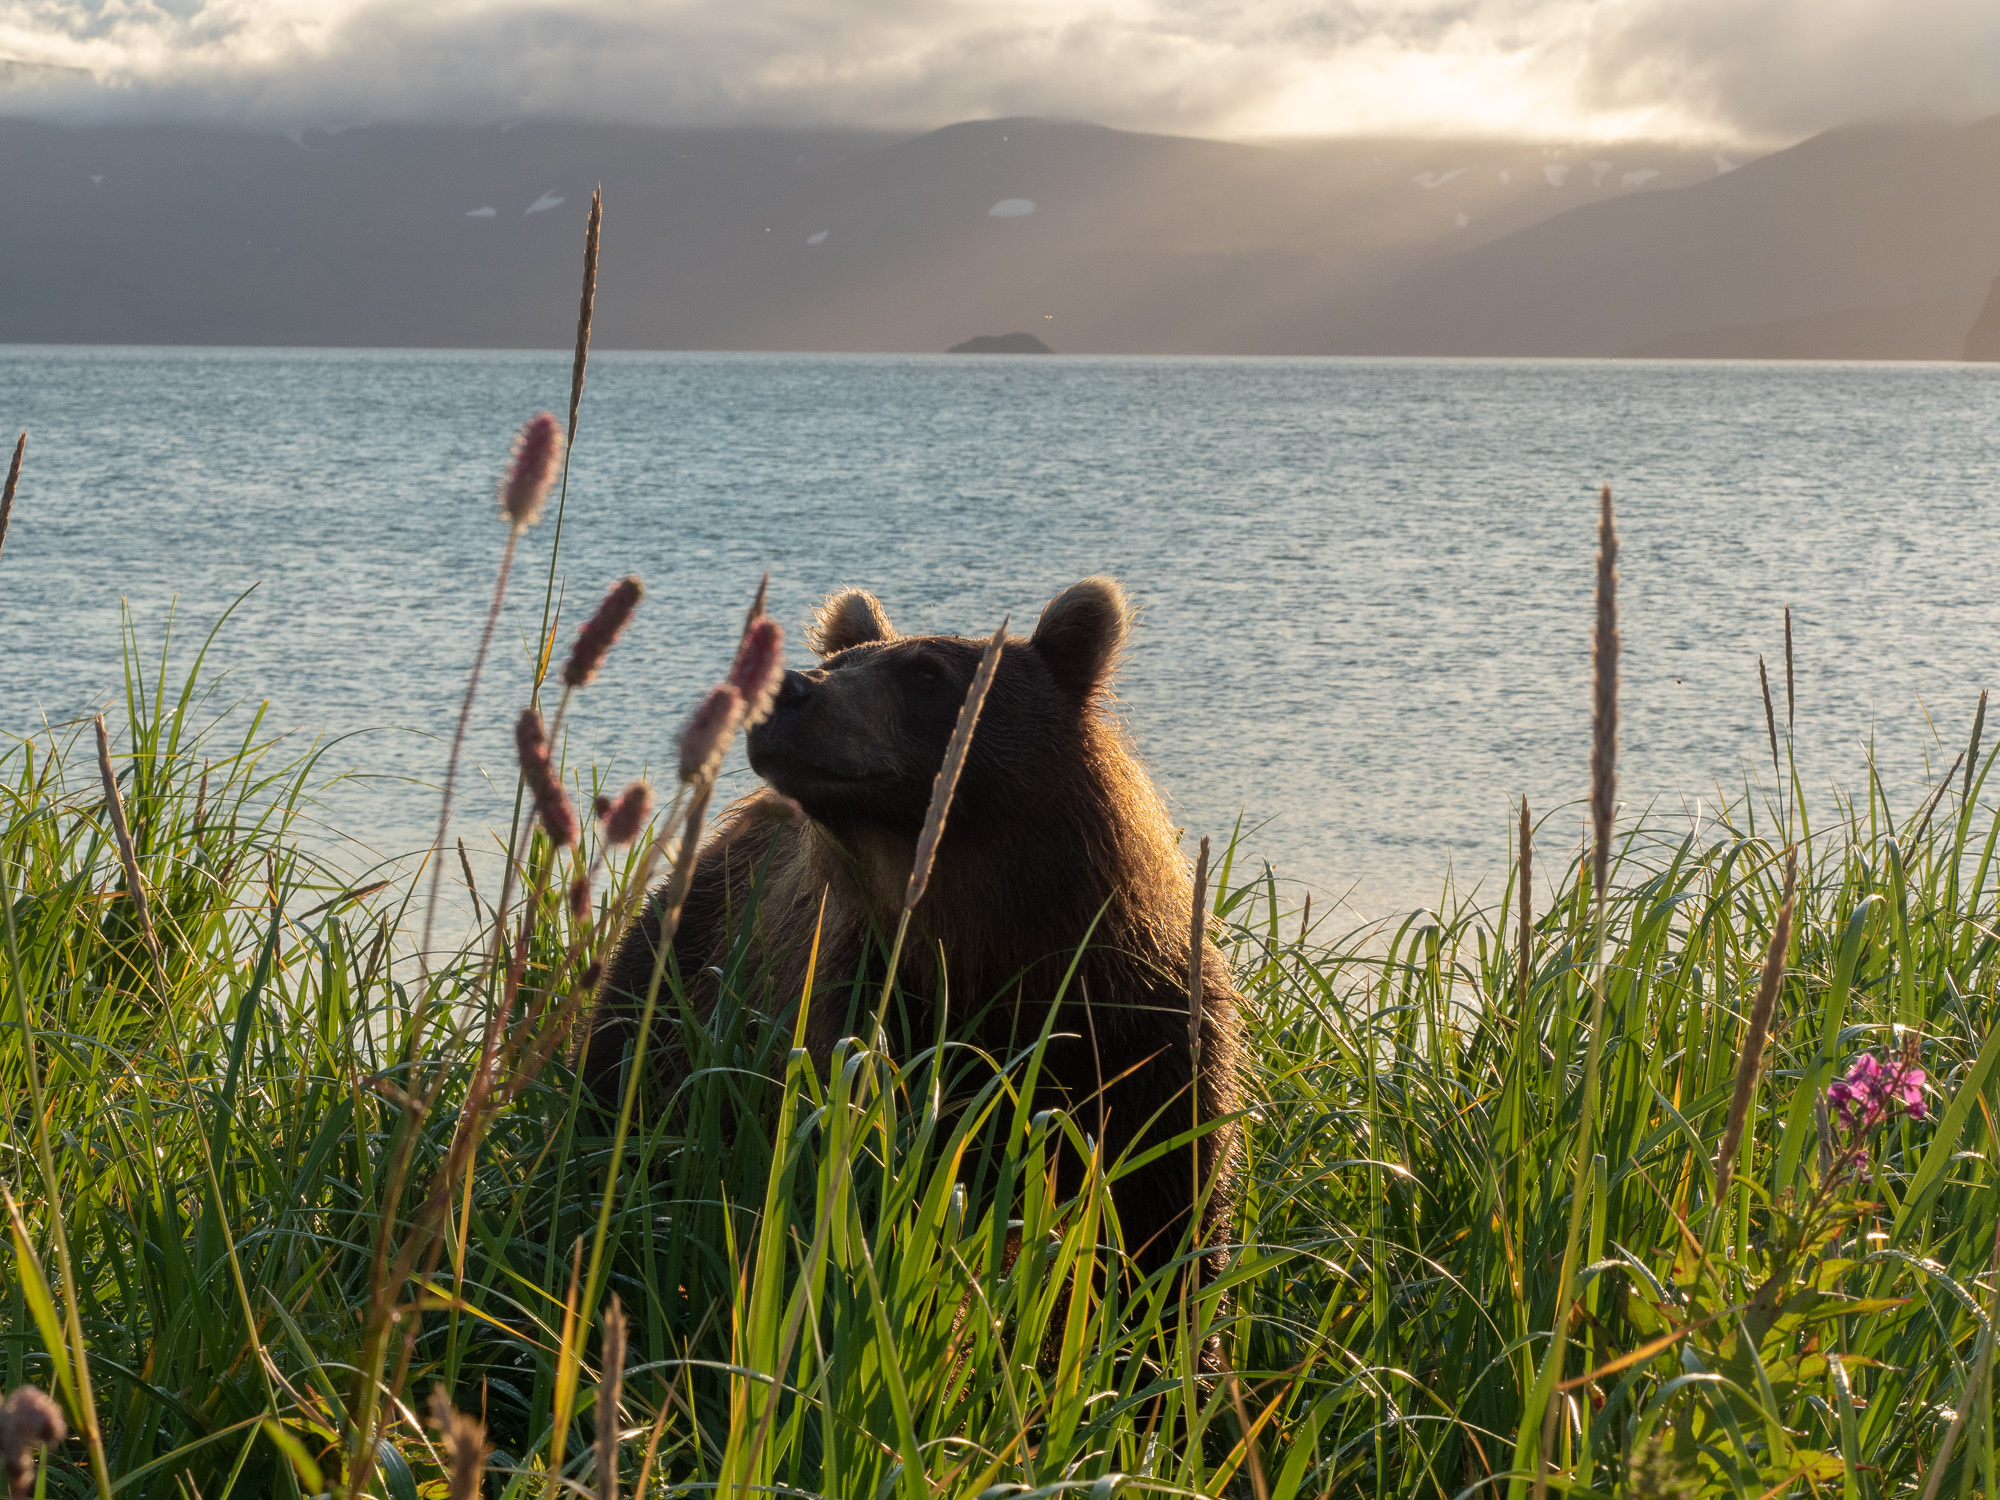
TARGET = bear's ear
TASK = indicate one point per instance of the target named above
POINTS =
(1081, 632)
(852, 617)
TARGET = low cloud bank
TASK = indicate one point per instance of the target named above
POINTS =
(1602, 69)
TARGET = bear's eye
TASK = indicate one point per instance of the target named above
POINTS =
(925, 673)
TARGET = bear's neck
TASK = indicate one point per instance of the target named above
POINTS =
(1020, 882)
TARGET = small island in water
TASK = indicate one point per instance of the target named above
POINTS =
(1001, 343)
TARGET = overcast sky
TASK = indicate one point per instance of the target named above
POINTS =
(1753, 71)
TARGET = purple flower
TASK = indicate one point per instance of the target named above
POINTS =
(1908, 1088)
(1872, 1091)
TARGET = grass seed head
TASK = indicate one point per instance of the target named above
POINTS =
(954, 762)
(538, 771)
(592, 229)
(759, 668)
(601, 631)
(1604, 695)
(708, 729)
(463, 1439)
(538, 449)
(624, 817)
(13, 479)
(29, 1420)
(1759, 1033)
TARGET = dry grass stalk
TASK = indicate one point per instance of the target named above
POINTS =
(7, 495)
(1791, 696)
(585, 306)
(1603, 802)
(1936, 796)
(1752, 1061)
(465, 866)
(1253, 1460)
(1527, 907)
(757, 604)
(1770, 718)
(947, 776)
(609, 1388)
(1604, 696)
(519, 486)
(1972, 750)
(127, 855)
(463, 1439)
(1197, 932)
(29, 1422)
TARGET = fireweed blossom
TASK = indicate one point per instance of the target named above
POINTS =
(1873, 1091)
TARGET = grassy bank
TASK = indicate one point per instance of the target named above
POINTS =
(239, 1134)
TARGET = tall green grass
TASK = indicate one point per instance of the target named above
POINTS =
(818, 1294)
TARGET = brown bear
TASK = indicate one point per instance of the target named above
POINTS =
(1056, 838)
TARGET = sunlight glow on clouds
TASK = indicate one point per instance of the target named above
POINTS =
(1753, 70)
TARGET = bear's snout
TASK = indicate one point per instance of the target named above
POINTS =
(793, 691)
(821, 739)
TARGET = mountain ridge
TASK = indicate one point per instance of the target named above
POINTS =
(1106, 241)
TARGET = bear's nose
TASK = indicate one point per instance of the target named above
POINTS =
(794, 689)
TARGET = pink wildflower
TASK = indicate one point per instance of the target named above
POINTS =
(537, 458)
(1872, 1091)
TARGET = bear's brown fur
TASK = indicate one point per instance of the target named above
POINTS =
(1055, 827)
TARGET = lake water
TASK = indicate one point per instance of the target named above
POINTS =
(1366, 584)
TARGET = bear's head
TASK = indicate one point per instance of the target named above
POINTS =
(857, 740)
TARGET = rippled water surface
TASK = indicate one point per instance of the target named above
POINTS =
(1366, 584)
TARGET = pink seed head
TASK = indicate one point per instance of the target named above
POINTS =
(624, 818)
(537, 457)
(759, 668)
(579, 901)
(28, 1420)
(537, 769)
(708, 730)
(600, 632)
